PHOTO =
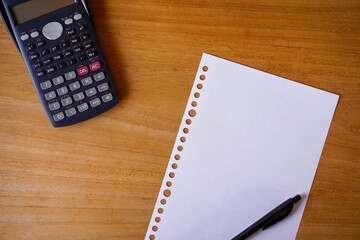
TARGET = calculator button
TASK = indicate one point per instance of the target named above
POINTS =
(86, 81)
(72, 62)
(91, 55)
(45, 85)
(58, 80)
(70, 75)
(62, 91)
(37, 65)
(70, 112)
(82, 71)
(96, 102)
(58, 57)
(103, 87)
(88, 45)
(83, 107)
(48, 61)
(34, 56)
(69, 21)
(45, 52)
(78, 49)
(41, 74)
(55, 48)
(52, 30)
(51, 70)
(100, 76)
(41, 44)
(59, 116)
(71, 32)
(31, 47)
(90, 92)
(75, 40)
(54, 106)
(34, 34)
(65, 44)
(85, 37)
(68, 53)
(50, 95)
(107, 98)
(79, 96)
(95, 66)
(82, 28)
(82, 58)
(62, 65)
(74, 86)
(66, 101)
(77, 16)
(24, 37)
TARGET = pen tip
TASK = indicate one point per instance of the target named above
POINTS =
(296, 198)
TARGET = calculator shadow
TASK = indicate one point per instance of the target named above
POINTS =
(108, 38)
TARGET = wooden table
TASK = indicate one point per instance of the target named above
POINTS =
(100, 179)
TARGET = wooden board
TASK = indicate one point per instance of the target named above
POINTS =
(100, 179)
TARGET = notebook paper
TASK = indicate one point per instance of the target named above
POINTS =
(247, 142)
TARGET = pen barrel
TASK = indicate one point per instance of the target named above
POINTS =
(269, 219)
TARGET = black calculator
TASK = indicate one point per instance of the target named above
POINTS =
(59, 45)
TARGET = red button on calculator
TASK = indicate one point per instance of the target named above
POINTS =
(83, 71)
(95, 66)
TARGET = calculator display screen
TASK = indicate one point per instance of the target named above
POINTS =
(35, 8)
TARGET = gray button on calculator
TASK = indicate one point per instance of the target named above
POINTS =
(107, 98)
(70, 112)
(90, 92)
(59, 116)
(70, 75)
(54, 106)
(58, 80)
(74, 86)
(52, 30)
(95, 102)
(34, 34)
(69, 21)
(79, 96)
(77, 16)
(45, 85)
(83, 107)
(62, 91)
(100, 76)
(66, 101)
(103, 87)
(24, 37)
(86, 81)
(50, 95)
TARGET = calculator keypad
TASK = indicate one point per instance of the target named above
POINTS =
(69, 99)
(76, 47)
(84, 86)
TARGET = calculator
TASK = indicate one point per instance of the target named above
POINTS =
(58, 42)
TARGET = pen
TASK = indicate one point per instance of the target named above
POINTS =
(274, 216)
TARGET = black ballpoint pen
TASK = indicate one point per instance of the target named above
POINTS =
(274, 216)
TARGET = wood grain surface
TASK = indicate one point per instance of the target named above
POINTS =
(100, 179)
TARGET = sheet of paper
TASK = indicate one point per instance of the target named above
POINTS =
(255, 141)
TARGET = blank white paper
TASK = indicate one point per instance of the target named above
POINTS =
(255, 142)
